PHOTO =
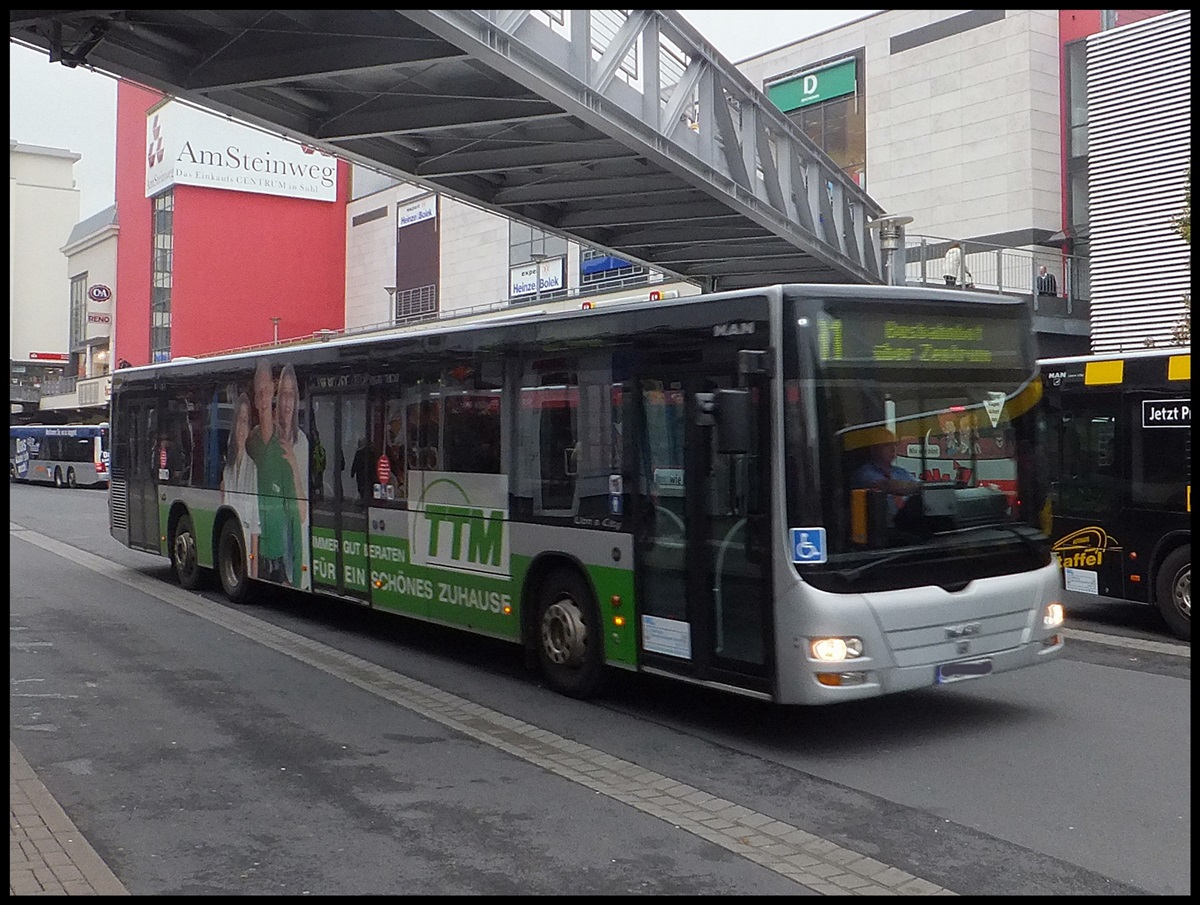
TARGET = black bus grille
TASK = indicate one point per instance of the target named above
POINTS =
(118, 504)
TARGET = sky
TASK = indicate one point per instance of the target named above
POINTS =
(75, 109)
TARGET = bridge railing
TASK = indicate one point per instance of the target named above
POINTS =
(1005, 269)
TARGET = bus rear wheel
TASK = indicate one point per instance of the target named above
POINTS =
(183, 554)
(58, 478)
(231, 562)
(1174, 592)
(570, 643)
(71, 478)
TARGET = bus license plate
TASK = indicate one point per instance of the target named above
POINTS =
(956, 672)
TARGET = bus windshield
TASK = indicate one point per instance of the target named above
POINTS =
(925, 429)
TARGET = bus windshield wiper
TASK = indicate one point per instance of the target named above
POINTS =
(1015, 530)
(859, 571)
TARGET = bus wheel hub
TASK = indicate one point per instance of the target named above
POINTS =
(564, 633)
(185, 550)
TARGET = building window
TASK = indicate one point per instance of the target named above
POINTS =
(78, 339)
(1077, 105)
(1078, 216)
(599, 270)
(418, 302)
(162, 239)
(524, 242)
(826, 102)
(78, 311)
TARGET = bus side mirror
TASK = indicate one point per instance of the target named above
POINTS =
(729, 411)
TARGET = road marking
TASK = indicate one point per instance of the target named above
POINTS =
(803, 857)
(1157, 647)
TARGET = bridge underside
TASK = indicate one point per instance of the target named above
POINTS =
(629, 133)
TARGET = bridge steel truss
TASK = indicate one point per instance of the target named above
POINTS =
(623, 129)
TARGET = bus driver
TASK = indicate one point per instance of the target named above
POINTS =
(879, 472)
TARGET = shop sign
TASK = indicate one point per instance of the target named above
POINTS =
(529, 279)
(189, 146)
(812, 87)
(416, 211)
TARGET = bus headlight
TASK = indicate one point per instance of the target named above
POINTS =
(1053, 616)
(835, 650)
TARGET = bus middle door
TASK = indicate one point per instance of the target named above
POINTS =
(337, 497)
(703, 563)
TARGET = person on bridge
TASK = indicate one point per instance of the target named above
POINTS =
(954, 266)
(1046, 284)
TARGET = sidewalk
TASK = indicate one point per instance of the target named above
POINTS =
(47, 855)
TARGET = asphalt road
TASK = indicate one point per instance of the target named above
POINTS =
(206, 749)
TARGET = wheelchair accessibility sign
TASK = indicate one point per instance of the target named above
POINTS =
(808, 545)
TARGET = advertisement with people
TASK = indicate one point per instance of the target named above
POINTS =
(266, 476)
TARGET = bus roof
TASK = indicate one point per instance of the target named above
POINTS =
(1113, 356)
(524, 316)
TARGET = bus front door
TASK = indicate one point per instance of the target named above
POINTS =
(338, 497)
(704, 564)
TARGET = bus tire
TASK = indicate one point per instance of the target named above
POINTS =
(570, 643)
(183, 554)
(58, 478)
(231, 562)
(71, 478)
(1173, 591)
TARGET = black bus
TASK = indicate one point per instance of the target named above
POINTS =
(1120, 444)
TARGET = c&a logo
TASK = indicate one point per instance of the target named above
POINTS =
(1085, 547)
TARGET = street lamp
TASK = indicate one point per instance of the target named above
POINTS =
(538, 258)
(891, 240)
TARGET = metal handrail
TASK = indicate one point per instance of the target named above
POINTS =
(1005, 269)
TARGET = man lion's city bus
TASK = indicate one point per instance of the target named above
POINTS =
(1120, 453)
(663, 487)
(65, 455)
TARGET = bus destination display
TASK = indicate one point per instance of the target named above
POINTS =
(902, 339)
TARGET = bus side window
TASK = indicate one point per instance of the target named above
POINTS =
(1091, 482)
(547, 430)
(1160, 462)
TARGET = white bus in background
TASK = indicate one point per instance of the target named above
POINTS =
(65, 455)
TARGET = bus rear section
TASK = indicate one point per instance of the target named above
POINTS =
(1119, 447)
(70, 455)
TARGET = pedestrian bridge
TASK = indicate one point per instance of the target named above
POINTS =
(621, 129)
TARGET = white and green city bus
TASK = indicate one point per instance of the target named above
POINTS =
(664, 487)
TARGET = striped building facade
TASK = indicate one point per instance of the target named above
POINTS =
(1139, 147)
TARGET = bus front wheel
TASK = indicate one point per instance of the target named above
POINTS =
(183, 554)
(1174, 592)
(231, 562)
(570, 642)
